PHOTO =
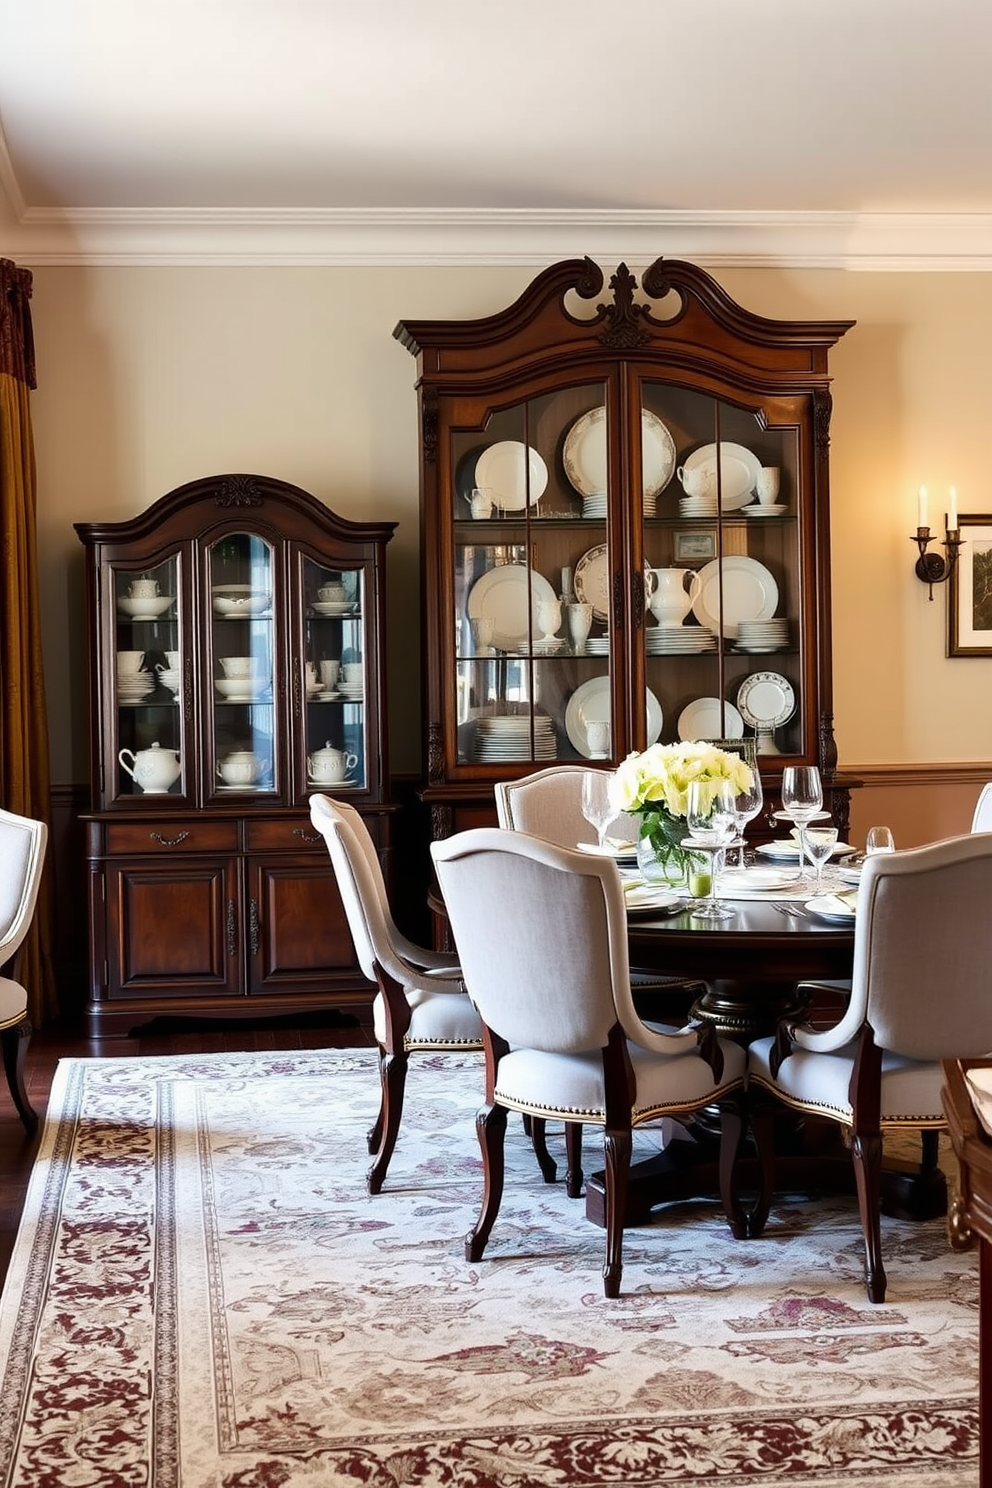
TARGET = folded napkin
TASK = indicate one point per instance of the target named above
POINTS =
(840, 904)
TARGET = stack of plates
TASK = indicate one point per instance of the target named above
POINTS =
(598, 645)
(134, 688)
(697, 506)
(594, 506)
(679, 640)
(508, 737)
(762, 635)
(351, 691)
(774, 510)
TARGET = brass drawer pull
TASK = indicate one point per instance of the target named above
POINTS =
(253, 928)
(168, 841)
(307, 836)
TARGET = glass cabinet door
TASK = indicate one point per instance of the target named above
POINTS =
(335, 682)
(722, 546)
(532, 581)
(241, 661)
(147, 669)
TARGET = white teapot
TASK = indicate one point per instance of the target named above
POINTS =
(669, 600)
(241, 767)
(154, 769)
(328, 765)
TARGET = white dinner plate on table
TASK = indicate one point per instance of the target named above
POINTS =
(829, 907)
(620, 852)
(847, 874)
(709, 718)
(502, 468)
(650, 900)
(749, 593)
(788, 850)
(501, 595)
(756, 880)
(584, 453)
(590, 703)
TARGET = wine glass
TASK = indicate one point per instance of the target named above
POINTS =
(597, 807)
(820, 843)
(747, 805)
(802, 798)
(879, 840)
(712, 822)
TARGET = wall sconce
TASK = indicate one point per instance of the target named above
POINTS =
(931, 568)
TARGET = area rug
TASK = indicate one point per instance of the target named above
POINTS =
(202, 1295)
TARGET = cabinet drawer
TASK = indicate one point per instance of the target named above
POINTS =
(285, 834)
(186, 834)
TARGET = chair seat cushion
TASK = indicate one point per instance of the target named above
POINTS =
(820, 1083)
(13, 1002)
(571, 1085)
(439, 1019)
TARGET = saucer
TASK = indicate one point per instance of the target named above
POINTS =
(324, 697)
(775, 510)
(333, 784)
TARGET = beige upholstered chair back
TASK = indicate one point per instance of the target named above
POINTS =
(982, 819)
(22, 856)
(923, 950)
(541, 936)
(548, 804)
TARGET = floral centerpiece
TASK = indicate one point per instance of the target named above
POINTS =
(654, 786)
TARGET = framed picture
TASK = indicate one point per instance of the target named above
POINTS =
(969, 618)
(746, 748)
(695, 547)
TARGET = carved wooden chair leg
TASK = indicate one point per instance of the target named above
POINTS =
(539, 1138)
(374, 1135)
(573, 1153)
(393, 1069)
(733, 1122)
(866, 1150)
(490, 1124)
(14, 1043)
(617, 1148)
(761, 1117)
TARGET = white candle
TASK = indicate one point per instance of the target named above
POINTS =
(922, 521)
(952, 515)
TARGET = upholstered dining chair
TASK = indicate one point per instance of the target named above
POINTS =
(421, 1003)
(541, 934)
(981, 821)
(22, 855)
(919, 994)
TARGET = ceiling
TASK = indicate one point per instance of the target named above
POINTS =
(856, 132)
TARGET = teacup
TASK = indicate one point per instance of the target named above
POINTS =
(697, 482)
(241, 767)
(238, 666)
(129, 662)
(329, 671)
(353, 671)
(143, 588)
(767, 485)
(332, 593)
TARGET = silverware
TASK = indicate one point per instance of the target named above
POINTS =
(793, 910)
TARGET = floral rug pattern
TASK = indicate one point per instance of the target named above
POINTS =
(204, 1296)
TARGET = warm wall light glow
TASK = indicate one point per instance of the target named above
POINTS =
(922, 520)
(952, 514)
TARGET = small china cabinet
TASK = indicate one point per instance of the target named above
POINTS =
(624, 501)
(236, 665)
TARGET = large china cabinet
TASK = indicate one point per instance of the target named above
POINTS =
(624, 525)
(236, 666)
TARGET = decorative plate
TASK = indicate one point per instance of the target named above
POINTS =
(584, 453)
(502, 469)
(766, 700)
(738, 472)
(591, 581)
(749, 593)
(590, 702)
(501, 595)
(710, 718)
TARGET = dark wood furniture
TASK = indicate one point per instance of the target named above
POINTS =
(581, 407)
(210, 615)
(971, 1218)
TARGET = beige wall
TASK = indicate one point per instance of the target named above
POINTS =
(149, 377)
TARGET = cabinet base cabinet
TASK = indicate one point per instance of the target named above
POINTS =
(246, 935)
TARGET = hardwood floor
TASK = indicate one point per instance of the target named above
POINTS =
(65, 1040)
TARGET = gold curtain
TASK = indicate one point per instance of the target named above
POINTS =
(24, 765)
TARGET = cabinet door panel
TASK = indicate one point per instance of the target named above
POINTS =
(173, 926)
(297, 931)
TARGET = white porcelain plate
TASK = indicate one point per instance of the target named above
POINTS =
(766, 700)
(502, 468)
(829, 907)
(738, 472)
(647, 899)
(584, 453)
(590, 703)
(502, 595)
(708, 718)
(591, 580)
(749, 592)
(786, 849)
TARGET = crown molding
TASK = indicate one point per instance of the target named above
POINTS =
(349, 237)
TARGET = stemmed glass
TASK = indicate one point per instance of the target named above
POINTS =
(597, 808)
(820, 843)
(747, 805)
(802, 798)
(712, 822)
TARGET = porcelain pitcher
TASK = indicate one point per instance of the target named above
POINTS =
(669, 599)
